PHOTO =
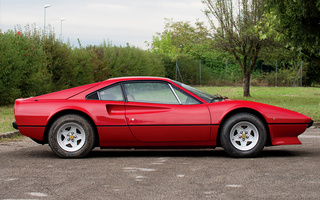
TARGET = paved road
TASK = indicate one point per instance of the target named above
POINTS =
(32, 171)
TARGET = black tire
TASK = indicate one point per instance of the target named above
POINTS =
(71, 136)
(243, 135)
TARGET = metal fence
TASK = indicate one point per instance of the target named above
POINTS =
(228, 73)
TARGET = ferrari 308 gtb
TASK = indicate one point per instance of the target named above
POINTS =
(151, 112)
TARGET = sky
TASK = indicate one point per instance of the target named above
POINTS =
(93, 21)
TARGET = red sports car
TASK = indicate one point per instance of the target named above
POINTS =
(150, 112)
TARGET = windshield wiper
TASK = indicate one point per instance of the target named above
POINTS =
(217, 97)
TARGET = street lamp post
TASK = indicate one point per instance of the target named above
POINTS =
(44, 26)
(62, 19)
(0, 17)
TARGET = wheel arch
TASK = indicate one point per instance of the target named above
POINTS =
(244, 110)
(68, 112)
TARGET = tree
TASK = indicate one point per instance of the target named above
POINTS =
(297, 22)
(181, 37)
(186, 44)
(237, 32)
(162, 44)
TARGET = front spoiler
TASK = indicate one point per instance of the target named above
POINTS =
(310, 124)
(15, 125)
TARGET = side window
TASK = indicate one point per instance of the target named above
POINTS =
(185, 98)
(150, 92)
(92, 96)
(113, 93)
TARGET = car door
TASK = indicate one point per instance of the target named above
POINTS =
(109, 114)
(155, 113)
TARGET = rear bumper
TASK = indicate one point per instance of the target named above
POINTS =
(15, 125)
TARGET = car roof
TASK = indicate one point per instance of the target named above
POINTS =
(130, 78)
(78, 92)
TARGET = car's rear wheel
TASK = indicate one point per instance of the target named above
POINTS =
(243, 135)
(71, 136)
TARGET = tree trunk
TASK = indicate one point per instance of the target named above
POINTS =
(248, 71)
(246, 85)
(246, 74)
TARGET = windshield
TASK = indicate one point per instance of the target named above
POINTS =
(203, 95)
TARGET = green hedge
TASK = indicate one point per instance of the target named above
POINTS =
(33, 64)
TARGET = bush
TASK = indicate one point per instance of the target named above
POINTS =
(23, 70)
(287, 75)
(186, 69)
(111, 61)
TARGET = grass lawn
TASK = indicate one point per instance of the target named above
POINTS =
(304, 100)
(6, 118)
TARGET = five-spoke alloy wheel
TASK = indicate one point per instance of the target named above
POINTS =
(243, 135)
(71, 136)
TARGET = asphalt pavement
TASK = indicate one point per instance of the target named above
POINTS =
(32, 171)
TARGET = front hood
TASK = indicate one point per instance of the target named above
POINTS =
(272, 114)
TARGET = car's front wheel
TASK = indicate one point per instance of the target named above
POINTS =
(243, 135)
(71, 136)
